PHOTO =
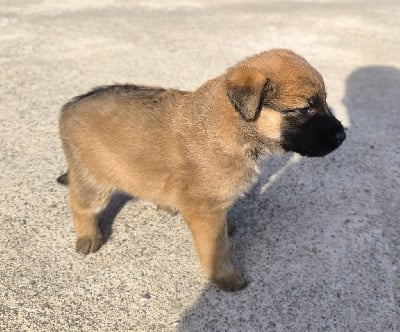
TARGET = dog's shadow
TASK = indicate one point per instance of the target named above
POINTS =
(106, 217)
(283, 240)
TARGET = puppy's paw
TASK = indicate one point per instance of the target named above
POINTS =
(231, 282)
(86, 245)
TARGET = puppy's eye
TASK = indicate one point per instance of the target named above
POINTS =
(304, 111)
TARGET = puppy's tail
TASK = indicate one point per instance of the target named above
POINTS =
(63, 179)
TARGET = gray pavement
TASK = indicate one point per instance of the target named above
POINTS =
(318, 239)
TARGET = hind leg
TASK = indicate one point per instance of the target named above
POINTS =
(86, 198)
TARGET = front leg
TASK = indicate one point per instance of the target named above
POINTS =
(209, 230)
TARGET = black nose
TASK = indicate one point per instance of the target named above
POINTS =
(340, 136)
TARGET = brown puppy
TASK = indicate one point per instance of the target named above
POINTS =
(194, 152)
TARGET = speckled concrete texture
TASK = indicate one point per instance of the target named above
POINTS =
(318, 239)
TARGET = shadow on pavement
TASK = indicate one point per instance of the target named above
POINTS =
(305, 244)
(373, 98)
(106, 217)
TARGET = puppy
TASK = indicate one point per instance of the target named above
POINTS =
(194, 152)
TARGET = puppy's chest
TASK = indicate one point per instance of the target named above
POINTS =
(249, 179)
(235, 179)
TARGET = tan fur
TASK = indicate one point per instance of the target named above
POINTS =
(269, 124)
(186, 151)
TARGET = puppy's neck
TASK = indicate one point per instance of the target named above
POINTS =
(225, 127)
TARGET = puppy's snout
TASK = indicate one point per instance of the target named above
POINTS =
(336, 136)
(340, 136)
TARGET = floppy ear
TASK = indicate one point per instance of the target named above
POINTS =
(246, 88)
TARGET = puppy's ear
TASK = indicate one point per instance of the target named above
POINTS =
(246, 89)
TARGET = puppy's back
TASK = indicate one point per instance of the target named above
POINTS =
(108, 106)
(103, 95)
(122, 136)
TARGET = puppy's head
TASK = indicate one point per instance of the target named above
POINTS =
(285, 98)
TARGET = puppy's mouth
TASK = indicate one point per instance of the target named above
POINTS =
(315, 153)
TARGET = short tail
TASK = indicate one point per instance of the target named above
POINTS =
(63, 179)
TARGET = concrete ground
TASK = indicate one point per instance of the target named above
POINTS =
(318, 239)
